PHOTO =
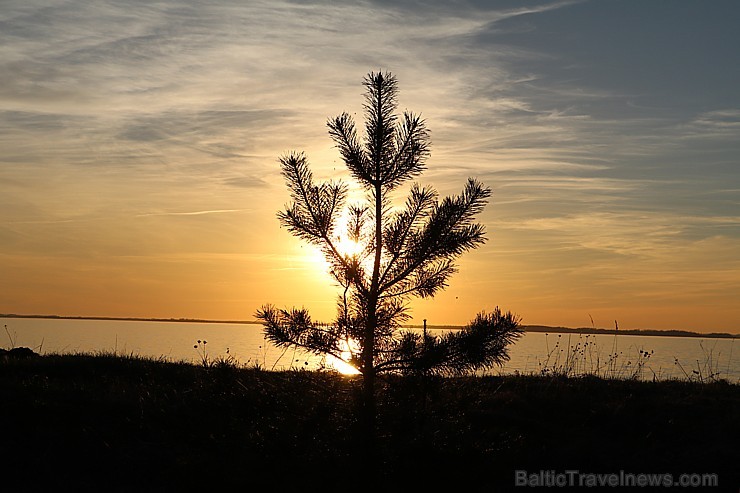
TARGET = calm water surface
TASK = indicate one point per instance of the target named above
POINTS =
(623, 356)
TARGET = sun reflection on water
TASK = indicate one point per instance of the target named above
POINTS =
(341, 364)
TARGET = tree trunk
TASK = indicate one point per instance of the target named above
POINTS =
(368, 415)
(371, 321)
(368, 349)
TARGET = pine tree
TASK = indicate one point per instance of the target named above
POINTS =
(405, 252)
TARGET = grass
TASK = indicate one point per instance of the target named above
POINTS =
(578, 355)
(585, 359)
(108, 422)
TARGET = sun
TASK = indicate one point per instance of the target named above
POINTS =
(340, 364)
(343, 241)
(348, 247)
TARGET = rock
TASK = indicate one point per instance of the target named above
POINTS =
(18, 353)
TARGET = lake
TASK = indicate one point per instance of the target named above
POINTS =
(646, 357)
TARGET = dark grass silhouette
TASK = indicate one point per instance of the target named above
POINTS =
(125, 423)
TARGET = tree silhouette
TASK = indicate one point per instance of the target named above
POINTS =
(403, 252)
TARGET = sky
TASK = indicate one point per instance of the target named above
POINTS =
(139, 146)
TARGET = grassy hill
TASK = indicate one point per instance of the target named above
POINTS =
(111, 423)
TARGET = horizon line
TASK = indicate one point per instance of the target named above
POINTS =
(527, 328)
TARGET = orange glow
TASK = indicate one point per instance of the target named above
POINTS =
(341, 365)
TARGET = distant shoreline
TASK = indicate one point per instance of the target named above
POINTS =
(130, 319)
(527, 328)
(631, 332)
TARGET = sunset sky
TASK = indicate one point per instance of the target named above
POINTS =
(139, 144)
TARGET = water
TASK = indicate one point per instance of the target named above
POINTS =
(627, 356)
(606, 355)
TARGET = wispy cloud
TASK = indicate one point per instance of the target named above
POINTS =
(191, 213)
(600, 142)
